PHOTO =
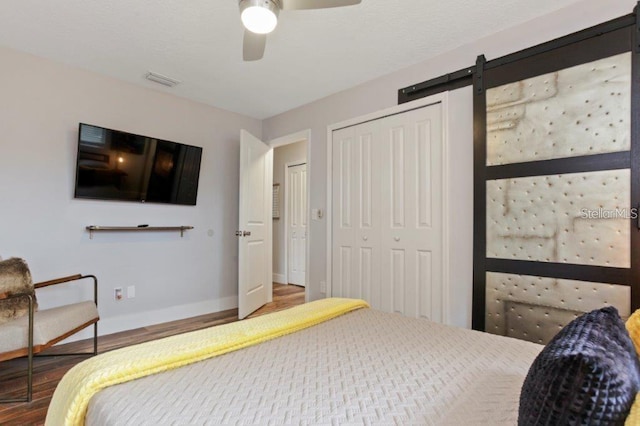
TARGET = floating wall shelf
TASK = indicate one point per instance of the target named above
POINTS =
(94, 228)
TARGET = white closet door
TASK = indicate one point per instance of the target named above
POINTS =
(387, 213)
(297, 223)
(411, 240)
(356, 213)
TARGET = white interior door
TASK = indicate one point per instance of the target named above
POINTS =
(254, 235)
(356, 219)
(411, 239)
(296, 223)
(387, 213)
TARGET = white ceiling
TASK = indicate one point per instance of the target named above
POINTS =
(310, 55)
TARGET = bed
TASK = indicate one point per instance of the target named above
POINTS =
(362, 366)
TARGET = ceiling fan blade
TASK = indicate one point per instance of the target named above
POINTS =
(253, 46)
(316, 4)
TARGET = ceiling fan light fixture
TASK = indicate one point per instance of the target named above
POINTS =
(259, 16)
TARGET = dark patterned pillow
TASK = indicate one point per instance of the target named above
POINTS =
(588, 374)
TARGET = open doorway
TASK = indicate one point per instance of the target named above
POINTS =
(291, 210)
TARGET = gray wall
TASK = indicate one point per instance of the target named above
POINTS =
(40, 107)
(382, 93)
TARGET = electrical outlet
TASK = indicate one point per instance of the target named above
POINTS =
(131, 292)
(323, 287)
(117, 293)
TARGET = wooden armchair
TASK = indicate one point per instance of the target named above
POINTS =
(24, 331)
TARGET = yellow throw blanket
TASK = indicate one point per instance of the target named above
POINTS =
(71, 397)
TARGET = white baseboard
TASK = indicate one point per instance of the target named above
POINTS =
(144, 319)
(279, 278)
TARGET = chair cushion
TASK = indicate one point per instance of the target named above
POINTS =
(15, 278)
(48, 325)
(588, 374)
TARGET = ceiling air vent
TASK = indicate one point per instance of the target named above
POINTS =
(161, 79)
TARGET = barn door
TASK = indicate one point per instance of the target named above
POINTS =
(555, 229)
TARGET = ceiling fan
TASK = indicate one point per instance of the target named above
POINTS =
(260, 17)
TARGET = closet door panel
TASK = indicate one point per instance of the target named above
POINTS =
(365, 142)
(424, 175)
(343, 276)
(368, 231)
(369, 285)
(356, 235)
(412, 213)
(425, 290)
(398, 169)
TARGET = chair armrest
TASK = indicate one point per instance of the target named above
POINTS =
(58, 281)
(75, 277)
(7, 296)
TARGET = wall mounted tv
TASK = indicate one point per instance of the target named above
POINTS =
(114, 165)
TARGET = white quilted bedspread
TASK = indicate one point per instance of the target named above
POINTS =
(365, 367)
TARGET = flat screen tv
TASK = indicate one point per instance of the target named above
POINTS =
(114, 165)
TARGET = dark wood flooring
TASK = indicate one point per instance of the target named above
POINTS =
(49, 370)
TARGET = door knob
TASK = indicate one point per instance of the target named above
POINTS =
(396, 238)
(246, 233)
(238, 233)
(365, 238)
